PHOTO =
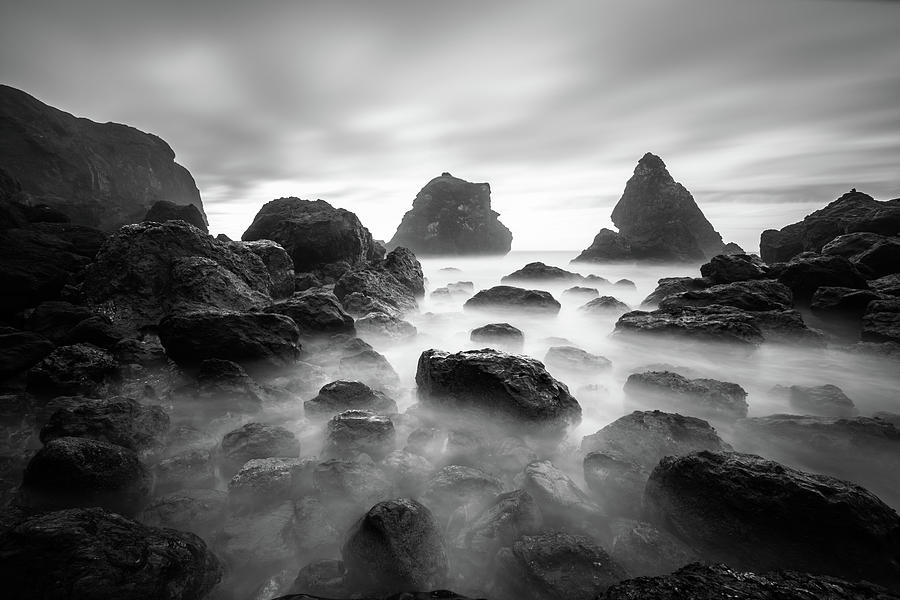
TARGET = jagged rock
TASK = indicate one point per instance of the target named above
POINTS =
(728, 268)
(54, 319)
(253, 340)
(889, 284)
(338, 396)
(456, 486)
(580, 293)
(100, 174)
(279, 265)
(381, 326)
(874, 255)
(669, 286)
(359, 431)
(505, 298)
(714, 582)
(538, 271)
(316, 312)
(500, 335)
(881, 321)
(77, 472)
(163, 210)
(120, 421)
(805, 275)
(756, 514)
(79, 370)
(852, 212)
(604, 305)
(146, 271)
(395, 547)
(21, 350)
(575, 360)
(657, 220)
(402, 264)
(370, 289)
(755, 295)
(452, 216)
(507, 388)
(823, 400)
(850, 302)
(93, 554)
(707, 398)
(314, 233)
(706, 324)
(645, 551)
(554, 565)
(256, 440)
(191, 468)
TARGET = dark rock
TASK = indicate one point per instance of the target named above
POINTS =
(253, 340)
(100, 174)
(850, 302)
(669, 286)
(191, 468)
(714, 582)
(756, 514)
(645, 551)
(402, 264)
(359, 431)
(21, 350)
(505, 387)
(371, 289)
(852, 212)
(823, 400)
(262, 482)
(452, 216)
(200, 511)
(316, 312)
(575, 360)
(889, 285)
(755, 295)
(538, 271)
(79, 370)
(456, 486)
(85, 241)
(657, 220)
(874, 255)
(371, 368)
(500, 335)
(562, 502)
(97, 330)
(77, 472)
(805, 275)
(554, 565)
(338, 396)
(410, 472)
(256, 440)
(348, 487)
(709, 398)
(604, 305)
(55, 319)
(380, 326)
(323, 577)
(120, 421)
(224, 387)
(728, 268)
(314, 233)
(704, 324)
(579, 292)
(881, 321)
(163, 210)
(504, 298)
(506, 519)
(279, 265)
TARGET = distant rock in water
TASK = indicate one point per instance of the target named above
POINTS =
(452, 216)
(657, 220)
(163, 210)
(100, 174)
(852, 212)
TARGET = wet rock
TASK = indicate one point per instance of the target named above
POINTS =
(403, 265)
(323, 577)
(77, 472)
(358, 431)
(881, 321)
(848, 302)
(314, 233)
(381, 326)
(707, 398)
(506, 519)
(348, 487)
(538, 271)
(888, 285)
(410, 472)
(505, 298)
(509, 389)
(722, 324)
(316, 312)
(396, 546)
(604, 306)
(279, 265)
(756, 514)
(554, 565)
(21, 350)
(456, 486)
(645, 551)
(499, 335)
(257, 341)
(874, 255)
(581, 293)
(562, 502)
(200, 511)
(452, 216)
(78, 370)
(805, 275)
(823, 400)
(728, 268)
(757, 295)
(256, 440)
(191, 468)
(575, 360)
(163, 210)
(338, 396)
(93, 554)
(669, 286)
(262, 482)
(55, 318)
(371, 289)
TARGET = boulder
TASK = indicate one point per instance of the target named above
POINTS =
(728, 268)
(669, 286)
(97, 330)
(881, 321)
(395, 547)
(874, 255)
(452, 216)
(888, 285)
(456, 486)
(256, 440)
(625, 284)
(581, 293)
(163, 210)
(94, 554)
(604, 306)
(381, 326)
(402, 264)
(104, 175)
(506, 519)
(506, 388)
(562, 502)
(21, 350)
(822, 400)
(721, 324)
(262, 482)
(708, 398)
(505, 298)
(538, 271)
(370, 289)
(54, 319)
(222, 387)
(188, 469)
(657, 220)
(758, 515)
(499, 335)
(805, 275)
(842, 301)
(575, 360)
(348, 487)
(256, 341)
(359, 431)
(317, 312)
(74, 472)
(200, 511)
(645, 551)
(314, 233)
(79, 370)
(279, 265)
(756, 295)
(371, 368)
(339, 396)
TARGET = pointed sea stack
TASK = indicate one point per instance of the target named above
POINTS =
(657, 220)
(452, 216)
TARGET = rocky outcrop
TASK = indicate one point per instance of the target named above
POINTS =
(314, 233)
(506, 298)
(104, 175)
(452, 216)
(163, 210)
(388, 286)
(758, 295)
(852, 212)
(657, 220)
(873, 254)
(499, 335)
(316, 312)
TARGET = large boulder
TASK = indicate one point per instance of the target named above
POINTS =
(456, 486)
(78, 370)
(278, 263)
(728, 268)
(507, 518)
(759, 515)
(852, 212)
(873, 254)
(703, 324)
(604, 306)
(505, 298)
(707, 398)
(657, 220)
(104, 175)
(256, 440)
(359, 431)
(94, 554)
(316, 312)
(499, 335)
(403, 265)
(669, 286)
(754, 295)
(824, 400)
(338, 396)
(804, 275)
(370, 288)
(538, 271)
(510, 389)
(452, 216)
(163, 210)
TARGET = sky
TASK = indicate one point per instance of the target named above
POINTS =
(764, 109)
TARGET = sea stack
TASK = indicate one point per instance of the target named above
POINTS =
(452, 216)
(657, 219)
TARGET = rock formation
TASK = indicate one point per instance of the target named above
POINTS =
(100, 174)
(452, 216)
(657, 220)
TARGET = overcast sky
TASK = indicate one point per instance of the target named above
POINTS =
(763, 109)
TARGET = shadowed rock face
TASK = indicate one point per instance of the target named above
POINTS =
(452, 216)
(100, 174)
